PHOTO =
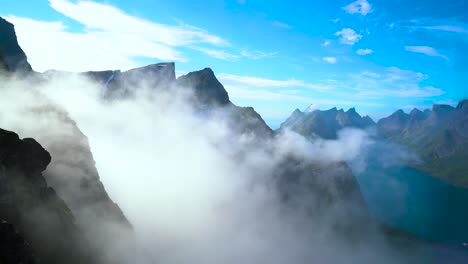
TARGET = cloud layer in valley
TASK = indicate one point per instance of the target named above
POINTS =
(193, 189)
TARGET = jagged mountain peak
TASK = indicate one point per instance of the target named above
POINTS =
(12, 57)
(297, 111)
(325, 123)
(207, 88)
(351, 110)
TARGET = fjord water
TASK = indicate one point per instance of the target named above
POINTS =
(414, 200)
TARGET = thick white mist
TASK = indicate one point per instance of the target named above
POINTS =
(195, 191)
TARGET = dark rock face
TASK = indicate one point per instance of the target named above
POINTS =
(325, 124)
(86, 217)
(439, 136)
(73, 174)
(207, 89)
(327, 192)
(13, 248)
(37, 211)
(12, 57)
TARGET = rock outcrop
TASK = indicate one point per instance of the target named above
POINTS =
(34, 207)
(208, 90)
(12, 57)
(13, 247)
(72, 174)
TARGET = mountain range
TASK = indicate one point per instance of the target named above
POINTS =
(53, 187)
(439, 137)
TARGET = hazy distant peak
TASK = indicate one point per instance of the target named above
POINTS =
(351, 110)
(415, 111)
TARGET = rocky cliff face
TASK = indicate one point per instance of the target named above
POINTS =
(72, 172)
(13, 247)
(36, 210)
(325, 124)
(439, 136)
(12, 57)
(208, 90)
(207, 93)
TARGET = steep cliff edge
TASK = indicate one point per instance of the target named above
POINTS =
(12, 57)
(72, 172)
(33, 207)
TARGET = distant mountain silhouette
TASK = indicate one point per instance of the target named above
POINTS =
(325, 124)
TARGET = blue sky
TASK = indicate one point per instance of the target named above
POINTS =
(276, 56)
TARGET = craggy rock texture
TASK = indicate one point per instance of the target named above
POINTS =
(72, 172)
(13, 247)
(12, 57)
(28, 202)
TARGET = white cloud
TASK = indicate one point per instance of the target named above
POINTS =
(241, 92)
(256, 54)
(393, 82)
(111, 38)
(363, 52)
(336, 20)
(348, 36)
(331, 60)
(448, 28)
(360, 6)
(219, 54)
(250, 81)
(280, 24)
(426, 50)
(326, 43)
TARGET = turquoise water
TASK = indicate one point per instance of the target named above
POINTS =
(416, 202)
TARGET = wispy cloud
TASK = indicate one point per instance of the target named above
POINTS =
(330, 60)
(280, 24)
(393, 82)
(241, 92)
(256, 54)
(219, 54)
(359, 7)
(456, 29)
(363, 52)
(95, 48)
(426, 50)
(251, 81)
(336, 20)
(326, 43)
(348, 36)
